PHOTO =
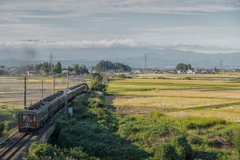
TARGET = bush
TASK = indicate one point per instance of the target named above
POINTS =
(77, 153)
(196, 122)
(1, 128)
(236, 139)
(183, 149)
(43, 151)
(165, 152)
(187, 78)
(98, 86)
(160, 77)
(95, 103)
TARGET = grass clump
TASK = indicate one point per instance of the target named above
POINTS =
(196, 122)
(236, 140)
(183, 149)
(165, 152)
(161, 77)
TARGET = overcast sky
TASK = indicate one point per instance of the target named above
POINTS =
(205, 26)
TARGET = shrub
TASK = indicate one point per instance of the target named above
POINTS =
(98, 86)
(165, 152)
(144, 128)
(183, 149)
(187, 78)
(194, 140)
(156, 114)
(95, 103)
(196, 122)
(43, 150)
(236, 139)
(160, 77)
(77, 153)
(1, 128)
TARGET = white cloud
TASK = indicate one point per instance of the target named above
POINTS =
(53, 34)
(75, 8)
(205, 48)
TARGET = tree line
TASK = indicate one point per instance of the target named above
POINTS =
(46, 67)
(103, 66)
(184, 67)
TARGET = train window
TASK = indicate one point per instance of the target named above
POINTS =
(27, 118)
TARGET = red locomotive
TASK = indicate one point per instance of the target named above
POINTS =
(35, 116)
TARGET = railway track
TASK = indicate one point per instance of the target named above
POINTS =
(13, 148)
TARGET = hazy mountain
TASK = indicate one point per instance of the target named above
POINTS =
(133, 57)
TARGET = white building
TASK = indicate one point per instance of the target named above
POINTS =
(190, 72)
(65, 71)
(180, 71)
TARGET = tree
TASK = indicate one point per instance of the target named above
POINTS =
(2, 66)
(83, 70)
(102, 66)
(97, 76)
(57, 68)
(70, 69)
(189, 67)
(75, 68)
(98, 86)
(1, 128)
(180, 66)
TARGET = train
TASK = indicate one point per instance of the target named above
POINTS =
(36, 116)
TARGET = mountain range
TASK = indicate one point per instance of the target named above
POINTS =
(134, 57)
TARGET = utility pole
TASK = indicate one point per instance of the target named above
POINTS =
(167, 77)
(91, 78)
(51, 63)
(221, 62)
(25, 107)
(53, 84)
(145, 63)
(42, 90)
(66, 99)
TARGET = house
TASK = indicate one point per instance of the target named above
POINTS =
(73, 65)
(138, 71)
(180, 71)
(111, 71)
(131, 75)
(204, 71)
(33, 73)
(72, 73)
(171, 71)
(65, 71)
(13, 68)
(190, 72)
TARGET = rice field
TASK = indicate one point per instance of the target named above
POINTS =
(204, 95)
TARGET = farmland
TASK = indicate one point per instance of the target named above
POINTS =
(202, 95)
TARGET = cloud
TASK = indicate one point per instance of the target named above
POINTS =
(125, 43)
(73, 8)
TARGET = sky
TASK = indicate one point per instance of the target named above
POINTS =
(203, 26)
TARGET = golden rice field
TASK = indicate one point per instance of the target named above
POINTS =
(209, 96)
(172, 102)
(231, 113)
